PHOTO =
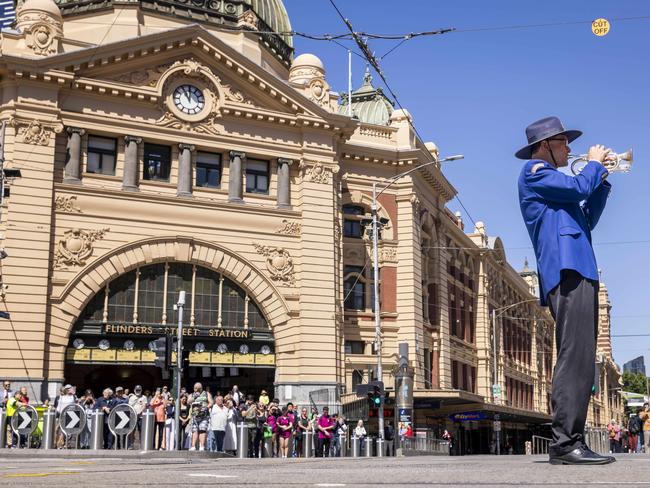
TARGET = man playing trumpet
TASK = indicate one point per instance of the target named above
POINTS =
(560, 211)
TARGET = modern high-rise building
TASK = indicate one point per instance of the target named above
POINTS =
(635, 366)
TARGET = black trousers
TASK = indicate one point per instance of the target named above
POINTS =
(574, 306)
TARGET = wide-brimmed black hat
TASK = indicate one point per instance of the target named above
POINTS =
(544, 129)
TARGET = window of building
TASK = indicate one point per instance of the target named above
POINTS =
(121, 298)
(355, 347)
(217, 301)
(257, 176)
(157, 162)
(101, 155)
(357, 378)
(354, 288)
(208, 170)
(151, 292)
(352, 225)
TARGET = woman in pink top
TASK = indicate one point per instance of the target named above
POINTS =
(284, 432)
(158, 405)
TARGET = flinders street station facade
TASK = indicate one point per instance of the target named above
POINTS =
(152, 147)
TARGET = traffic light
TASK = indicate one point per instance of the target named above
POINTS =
(185, 359)
(163, 349)
(375, 392)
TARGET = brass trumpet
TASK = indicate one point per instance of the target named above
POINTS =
(615, 163)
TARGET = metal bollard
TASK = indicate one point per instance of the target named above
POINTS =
(381, 447)
(355, 445)
(49, 424)
(307, 444)
(267, 447)
(242, 440)
(367, 447)
(3, 428)
(148, 426)
(97, 431)
(344, 445)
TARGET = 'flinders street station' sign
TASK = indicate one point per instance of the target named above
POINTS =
(215, 332)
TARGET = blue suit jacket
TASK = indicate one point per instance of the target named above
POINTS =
(559, 212)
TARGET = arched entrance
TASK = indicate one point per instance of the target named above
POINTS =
(225, 331)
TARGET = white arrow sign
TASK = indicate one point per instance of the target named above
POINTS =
(125, 418)
(74, 419)
(27, 420)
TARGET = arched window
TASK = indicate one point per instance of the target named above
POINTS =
(147, 295)
(352, 222)
(354, 288)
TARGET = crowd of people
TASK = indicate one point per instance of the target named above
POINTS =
(633, 436)
(208, 422)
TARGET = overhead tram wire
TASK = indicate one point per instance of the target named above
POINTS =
(372, 60)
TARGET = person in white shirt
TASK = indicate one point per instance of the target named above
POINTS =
(360, 432)
(218, 422)
(139, 403)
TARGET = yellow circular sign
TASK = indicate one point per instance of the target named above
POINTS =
(600, 27)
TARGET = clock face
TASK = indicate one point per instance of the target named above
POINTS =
(189, 99)
(243, 349)
(222, 348)
(78, 344)
(129, 345)
(104, 344)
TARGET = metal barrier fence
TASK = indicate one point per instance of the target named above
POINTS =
(597, 440)
(424, 445)
(540, 444)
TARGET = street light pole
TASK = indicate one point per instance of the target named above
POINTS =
(495, 366)
(179, 369)
(375, 257)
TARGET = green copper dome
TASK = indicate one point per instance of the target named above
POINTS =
(274, 14)
(369, 104)
(271, 13)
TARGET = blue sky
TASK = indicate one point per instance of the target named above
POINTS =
(474, 92)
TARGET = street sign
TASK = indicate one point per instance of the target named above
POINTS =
(24, 420)
(122, 419)
(497, 426)
(496, 390)
(73, 419)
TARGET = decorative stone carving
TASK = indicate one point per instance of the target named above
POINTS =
(75, 247)
(307, 74)
(248, 19)
(278, 262)
(388, 255)
(41, 24)
(206, 126)
(289, 228)
(318, 173)
(143, 77)
(66, 204)
(34, 131)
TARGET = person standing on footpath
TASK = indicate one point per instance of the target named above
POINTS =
(325, 426)
(560, 211)
(644, 415)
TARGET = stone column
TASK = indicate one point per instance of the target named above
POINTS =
(185, 170)
(73, 157)
(130, 180)
(284, 182)
(235, 183)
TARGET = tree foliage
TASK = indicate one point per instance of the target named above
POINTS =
(635, 383)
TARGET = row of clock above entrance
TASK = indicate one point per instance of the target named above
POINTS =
(101, 152)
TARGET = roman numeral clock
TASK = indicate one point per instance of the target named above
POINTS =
(189, 99)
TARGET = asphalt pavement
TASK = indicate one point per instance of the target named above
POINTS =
(41, 469)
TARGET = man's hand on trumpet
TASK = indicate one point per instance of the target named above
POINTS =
(599, 153)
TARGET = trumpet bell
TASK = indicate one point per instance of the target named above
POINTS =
(615, 163)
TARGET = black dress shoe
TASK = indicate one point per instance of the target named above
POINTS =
(581, 455)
